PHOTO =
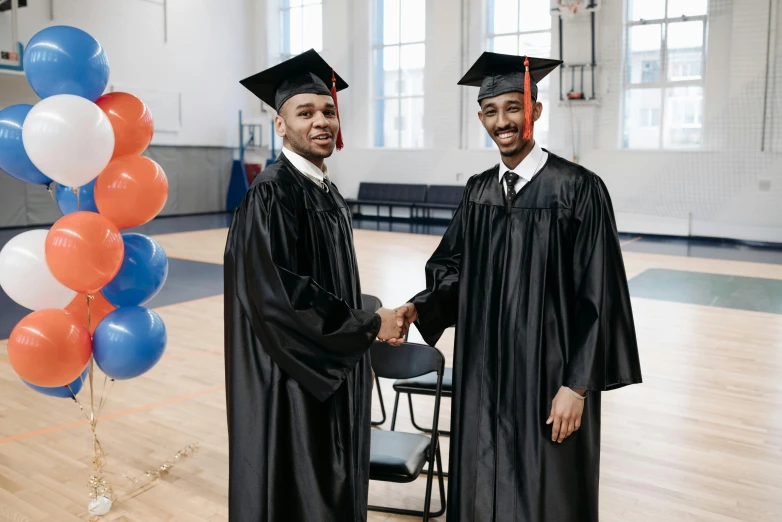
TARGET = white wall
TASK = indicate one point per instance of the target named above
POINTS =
(711, 192)
(210, 46)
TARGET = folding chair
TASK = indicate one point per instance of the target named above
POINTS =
(399, 457)
(373, 304)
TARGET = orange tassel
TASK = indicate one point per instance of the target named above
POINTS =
(527, 130)
(340, 144)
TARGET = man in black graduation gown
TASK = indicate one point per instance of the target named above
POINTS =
(298, 377)
(531, 274)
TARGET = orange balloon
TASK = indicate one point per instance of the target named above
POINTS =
(131, 120)
(99, 308)
(84, 251)
(49, 347)
(131, 191)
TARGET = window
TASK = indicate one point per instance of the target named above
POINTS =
(521, 27)
(399, 59)
(663, 103)
(301, 27)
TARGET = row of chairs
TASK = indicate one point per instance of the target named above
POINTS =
(398, 456)
(421, 200)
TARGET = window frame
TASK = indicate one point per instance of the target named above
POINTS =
(663, 83)
(379, 135)
(285, 30)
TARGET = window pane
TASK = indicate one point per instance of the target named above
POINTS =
(505, 44)
(389, 116)
(643, 64)
(678, 8)
(506, 17)
(538, 45)
(313, 28)
(310, 2)
(413, 60)
(387, 74)
(285, 32)
(413, 21)
(683, 117)
(685, 50)
(535, 16)
(296, 35)
(390, 21)
(289, 3)
(641, 126)
(646, 9)
(412, 123)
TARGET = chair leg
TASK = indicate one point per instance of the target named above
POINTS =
(393, 417)
(382, 406)
(419, 428)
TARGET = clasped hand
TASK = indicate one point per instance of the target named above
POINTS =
(395, 323)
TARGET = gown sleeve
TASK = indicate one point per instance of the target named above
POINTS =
(603, 347)
(438, 304)
(312, 334)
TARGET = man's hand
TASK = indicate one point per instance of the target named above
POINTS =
(566, 411)
(406, 315)
(389, 325)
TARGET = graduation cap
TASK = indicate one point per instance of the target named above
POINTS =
(497, 74)
(306, 73)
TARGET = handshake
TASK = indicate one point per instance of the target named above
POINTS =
(395, 323)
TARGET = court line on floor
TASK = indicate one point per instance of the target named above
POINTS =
(171, 357)
(146, 407)
(630, 241)
(161, 307)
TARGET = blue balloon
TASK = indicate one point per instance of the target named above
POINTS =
(63, 392)
(143, 272)
(13, 157)
(66, 60)
(69, 203)
(128, 342)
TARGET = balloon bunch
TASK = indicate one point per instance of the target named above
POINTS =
(83, 279)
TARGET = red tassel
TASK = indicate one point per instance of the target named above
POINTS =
(527, 130)
(340, 144)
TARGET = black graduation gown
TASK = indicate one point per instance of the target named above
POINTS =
(539, 299)
(298, 377)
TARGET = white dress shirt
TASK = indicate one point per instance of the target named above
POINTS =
(308, 168)
(528, 167)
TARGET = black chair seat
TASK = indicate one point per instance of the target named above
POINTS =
(426, 384)
(395, 456)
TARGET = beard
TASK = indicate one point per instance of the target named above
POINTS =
(302, 146)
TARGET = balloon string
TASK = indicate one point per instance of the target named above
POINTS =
(51, 192)
(78, 198)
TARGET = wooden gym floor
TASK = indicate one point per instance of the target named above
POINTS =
(700, 440)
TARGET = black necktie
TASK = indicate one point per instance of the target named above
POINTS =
(510, 180)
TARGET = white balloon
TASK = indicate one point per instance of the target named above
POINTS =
(26, 278)
(68, 138)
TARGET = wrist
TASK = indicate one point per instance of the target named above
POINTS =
(579, 394)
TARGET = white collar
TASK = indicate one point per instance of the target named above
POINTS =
(529, 166)
(307, 168)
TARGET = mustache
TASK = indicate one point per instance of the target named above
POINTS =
(506, 129)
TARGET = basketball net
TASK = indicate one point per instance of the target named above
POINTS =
(569, 8)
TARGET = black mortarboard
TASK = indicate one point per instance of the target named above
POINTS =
(497, 74)
(306, 73)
